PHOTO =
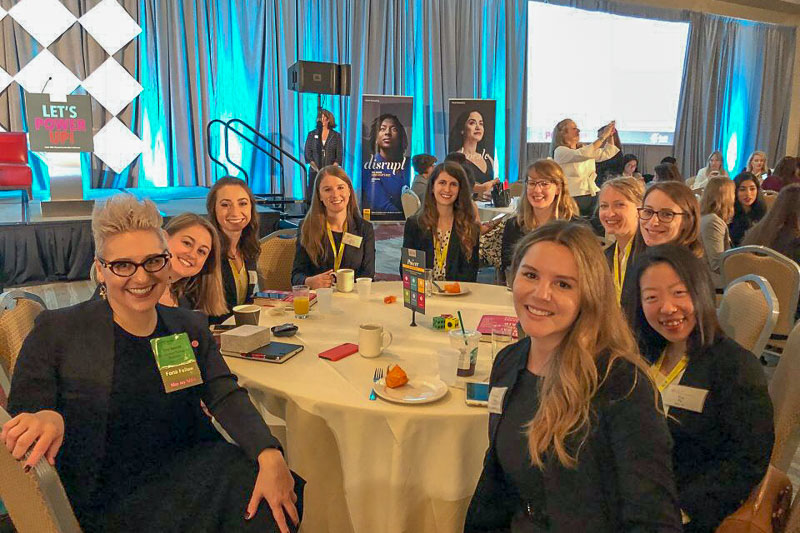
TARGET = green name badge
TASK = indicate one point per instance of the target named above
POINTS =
(176, 362)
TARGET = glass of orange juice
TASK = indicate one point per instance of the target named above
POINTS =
(300, 300)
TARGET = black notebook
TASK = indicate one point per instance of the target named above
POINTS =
(274, 352)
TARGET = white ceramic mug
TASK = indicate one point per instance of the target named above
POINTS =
(343, 279)
(372, 340)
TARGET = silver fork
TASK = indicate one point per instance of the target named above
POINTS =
(376, 377)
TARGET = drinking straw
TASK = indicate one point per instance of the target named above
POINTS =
(463, 331)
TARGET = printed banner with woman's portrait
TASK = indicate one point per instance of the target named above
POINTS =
(386, 161)
(472, 125)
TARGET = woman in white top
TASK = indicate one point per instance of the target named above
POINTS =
(578, 160)
(712, 169)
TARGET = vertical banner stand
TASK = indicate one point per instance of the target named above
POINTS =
(412, 264)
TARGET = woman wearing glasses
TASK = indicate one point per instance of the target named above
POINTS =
(90, 395)
(670, 214)
(619, 199)
(546, 198)
(713, 390)
(232, 210)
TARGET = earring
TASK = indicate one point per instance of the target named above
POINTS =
(103, 291)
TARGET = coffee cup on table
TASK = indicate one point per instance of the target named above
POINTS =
(372, 340)
(343, 279)
(246, 314)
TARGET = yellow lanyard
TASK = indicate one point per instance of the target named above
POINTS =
(676, 371)
(337, 256)
(619, 270)
(440, 251)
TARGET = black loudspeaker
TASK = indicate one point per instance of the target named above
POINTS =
(319, 78)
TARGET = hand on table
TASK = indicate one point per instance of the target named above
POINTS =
(320, 281)
(41, 432)
(274, 484)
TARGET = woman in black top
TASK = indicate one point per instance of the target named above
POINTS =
(333, 235)
(445, 227)
(748, 208)
(546, 198)
(714, 391)
(576, 441)
(468, 136)
(232, 210)
(89, 397)
(323, 145)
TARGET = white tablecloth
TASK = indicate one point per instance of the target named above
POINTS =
(374, 466)
(487, 211)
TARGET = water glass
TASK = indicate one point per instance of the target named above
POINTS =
(448, 365)
(502, 336)
(364, 287)
(300, 300)
(428, 282)
(325, 299)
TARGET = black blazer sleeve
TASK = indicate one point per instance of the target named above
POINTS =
(335, 153)
(459, 266)
(225, 399)
(303, 264)
(35, 384)
(723, 452)
(637, 437)
(310, 147)
(511, 234)
(366, 268)
(418, 238)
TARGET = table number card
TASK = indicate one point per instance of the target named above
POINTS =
(412, 263)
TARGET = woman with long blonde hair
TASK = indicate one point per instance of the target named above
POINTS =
(576, 438)
(716, 212)
(333, 234)
(546, 198)
(757, 164)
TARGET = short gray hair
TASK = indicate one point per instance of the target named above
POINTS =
(123, 213)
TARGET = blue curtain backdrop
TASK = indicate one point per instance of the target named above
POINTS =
(228, 59)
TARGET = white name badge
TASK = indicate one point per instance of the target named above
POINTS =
(496, 395)
(684, 397)
(252, 277)
(352, 240)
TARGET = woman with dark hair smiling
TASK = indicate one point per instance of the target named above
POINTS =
(748, 208)
(713, 390)
(333, 234)
(445, 227)
(467, 137)
(232, 210)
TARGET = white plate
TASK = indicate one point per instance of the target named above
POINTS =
(464, 290)
(415, 391)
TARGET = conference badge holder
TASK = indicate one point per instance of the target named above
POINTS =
(176, 362)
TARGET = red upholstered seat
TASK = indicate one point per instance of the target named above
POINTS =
(15, 174)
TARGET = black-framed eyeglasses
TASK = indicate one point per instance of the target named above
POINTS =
(542, 185)
(664, 215)
(126, 269)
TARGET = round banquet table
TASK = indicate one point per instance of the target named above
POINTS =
(488, 211)
(375, 466)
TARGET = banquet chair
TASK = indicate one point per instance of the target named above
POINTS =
(275, 261)
(15, 174)
(36, 500)
(410, 202)
(783, 275)
(748, 312)
(18, 311)
(785, 395)
(793, 525)
(516, 188)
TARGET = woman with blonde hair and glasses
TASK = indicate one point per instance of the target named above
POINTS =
(110, 391)
(576, 438)
(546, 198)
(578, 160)
(619, 199)
(716, 212)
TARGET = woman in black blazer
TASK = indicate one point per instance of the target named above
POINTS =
(333, 234)
(714, 391)
(617, 203)
(323, 146)
(135, 457)
(576, 441)
(445, 228)
(231, 208)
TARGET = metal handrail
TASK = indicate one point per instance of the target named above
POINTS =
(276, 147)
(208, 143)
